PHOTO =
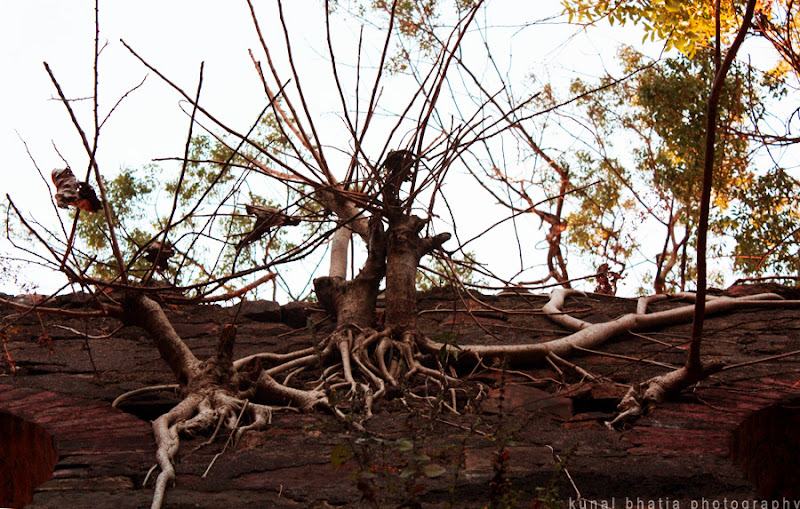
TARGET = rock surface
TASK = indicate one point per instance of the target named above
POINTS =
(68, 371)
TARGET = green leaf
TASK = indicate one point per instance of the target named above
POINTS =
(404, 444)
(409, 472)
(339, 454)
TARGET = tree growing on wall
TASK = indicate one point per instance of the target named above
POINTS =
(382, 189)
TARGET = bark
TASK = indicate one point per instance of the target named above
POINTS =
(345, 210)
(693, 362)
(405, 248)
(166, 435)
(669, 256)
(143, 311)
(353, 302)
(340, 242)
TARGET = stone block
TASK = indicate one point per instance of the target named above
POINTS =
(262, 310)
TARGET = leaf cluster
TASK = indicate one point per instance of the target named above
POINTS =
(648, 153)
(686, 26)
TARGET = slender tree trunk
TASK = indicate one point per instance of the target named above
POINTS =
(693, 363)
(143, 311)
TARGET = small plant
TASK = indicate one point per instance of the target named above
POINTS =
(548, 497)
(501, 492)
(5, 332)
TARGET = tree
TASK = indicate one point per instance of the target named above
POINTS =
(388, 192)
(761, 244)
(655, 173)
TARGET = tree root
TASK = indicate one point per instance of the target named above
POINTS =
(587, 336)
(366, 365)
(216, 408)
(642, 397)
(591, 335)
(167, 442)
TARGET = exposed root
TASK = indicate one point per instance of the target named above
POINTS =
(643, 397)
(553, 310)
(144, 390)
(227, 443)
(585, 374)
(195, 414)
(359, 365)
(167, 442)
(267, 388)
(592, 335)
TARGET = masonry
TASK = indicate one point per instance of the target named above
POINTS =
(734, 438)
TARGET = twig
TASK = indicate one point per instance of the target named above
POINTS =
(577, 368)
(89, 336)
(93, 163)
(558, 460)
(233, 430)
(625, 357)
(461, 426)
(763, 359)
(241, 291)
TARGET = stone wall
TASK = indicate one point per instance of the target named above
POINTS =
(690, 449)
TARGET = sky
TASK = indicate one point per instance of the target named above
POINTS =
(176, 37)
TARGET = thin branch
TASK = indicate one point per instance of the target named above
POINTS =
(693, 363)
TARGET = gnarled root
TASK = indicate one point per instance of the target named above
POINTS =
(372, 364)
(642, 397)
(197, 413)
(166, 434)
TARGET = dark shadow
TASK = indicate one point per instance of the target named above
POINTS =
(27, 458)
(767, 446)
(148, 408)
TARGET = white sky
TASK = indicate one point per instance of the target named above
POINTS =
(175, 37)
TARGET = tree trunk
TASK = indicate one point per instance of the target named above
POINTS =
(404, 250)
(353, 302)
(143, 311)
(340, 242)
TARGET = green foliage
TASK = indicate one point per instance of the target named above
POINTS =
(339, 455)
(601, 224)
(648, 155)
(416, 22)
(765, 225)
(673, 102)
(131, 193)
(209, 218)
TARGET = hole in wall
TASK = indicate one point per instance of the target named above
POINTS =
(595, 405)
(27, 460)
(148, 408)
(767, 447)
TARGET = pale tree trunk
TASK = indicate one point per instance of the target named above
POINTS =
(340, 242)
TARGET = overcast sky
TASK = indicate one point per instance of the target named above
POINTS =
(175, 36)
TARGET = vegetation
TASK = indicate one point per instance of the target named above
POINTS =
(374, 196)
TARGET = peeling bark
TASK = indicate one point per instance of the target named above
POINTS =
(340, 242)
